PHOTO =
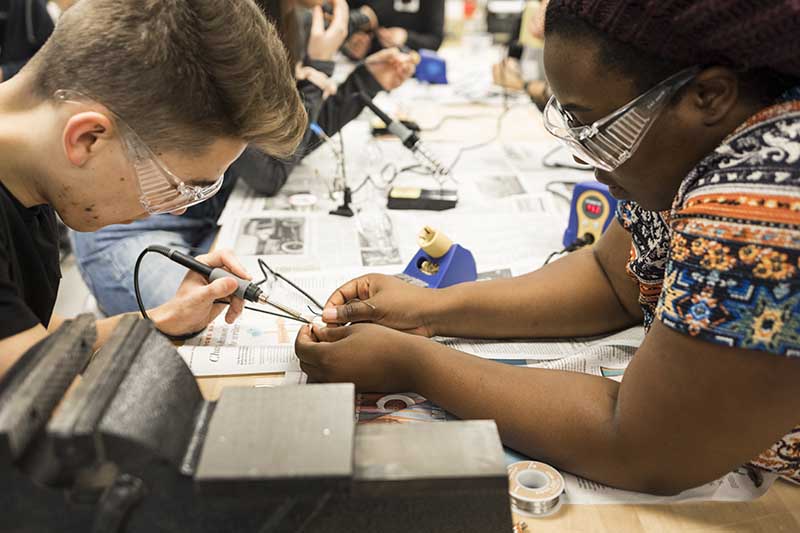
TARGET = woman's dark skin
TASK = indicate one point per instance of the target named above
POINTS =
(687, 411)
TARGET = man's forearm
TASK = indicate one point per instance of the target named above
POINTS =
(571, 297)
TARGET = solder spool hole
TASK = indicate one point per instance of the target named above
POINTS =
(531, 479)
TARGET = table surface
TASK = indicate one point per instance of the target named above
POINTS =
(778, 510)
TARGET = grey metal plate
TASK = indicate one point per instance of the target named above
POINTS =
(447, 450)
(283, 433)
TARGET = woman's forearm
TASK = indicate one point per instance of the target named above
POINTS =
(571, 297)
(560, 417)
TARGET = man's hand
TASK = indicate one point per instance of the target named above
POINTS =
(392, 37)
(375, 358)
(193, 306)
(358, 45)
(390, 67)
(384, 300)
(324, 43)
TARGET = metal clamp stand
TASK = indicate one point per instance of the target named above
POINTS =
(135, 448)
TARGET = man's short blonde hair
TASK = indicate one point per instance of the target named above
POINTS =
(179, 72)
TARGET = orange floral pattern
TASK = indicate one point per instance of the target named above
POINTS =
(722, 265)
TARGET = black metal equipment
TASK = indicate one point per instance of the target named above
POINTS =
(123, 442)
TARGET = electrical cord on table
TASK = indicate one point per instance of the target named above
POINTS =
(417, 169)
(549, 188)
(495, 137)
(578, 243)
(498, 127)
(448, 118)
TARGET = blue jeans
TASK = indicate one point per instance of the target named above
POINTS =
(106, 259)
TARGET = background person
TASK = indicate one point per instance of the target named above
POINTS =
(25, 25)
(415, 24)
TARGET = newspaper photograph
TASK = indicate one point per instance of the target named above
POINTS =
(271, 236)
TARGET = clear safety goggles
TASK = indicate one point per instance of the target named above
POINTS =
(161, 190)
(609, 142)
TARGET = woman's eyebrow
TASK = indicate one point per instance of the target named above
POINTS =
(576, 108)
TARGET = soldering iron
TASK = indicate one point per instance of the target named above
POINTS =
(408, 137)
(246, 290)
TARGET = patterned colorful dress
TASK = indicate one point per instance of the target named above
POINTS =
(723, 265)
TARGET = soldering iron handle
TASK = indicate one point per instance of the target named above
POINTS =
(246, 290)
(191, 263)
(375, 109)
(395, 127)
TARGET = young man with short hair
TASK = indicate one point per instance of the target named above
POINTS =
(132, 108)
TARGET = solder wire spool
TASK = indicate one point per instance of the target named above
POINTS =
(535, 488)
(302, 201)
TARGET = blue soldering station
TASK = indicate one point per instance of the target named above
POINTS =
(440, 263)
(591, 211)
(431, 68)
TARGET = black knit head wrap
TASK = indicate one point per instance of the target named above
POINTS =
(744, 34)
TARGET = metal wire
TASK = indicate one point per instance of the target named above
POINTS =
(534, 508)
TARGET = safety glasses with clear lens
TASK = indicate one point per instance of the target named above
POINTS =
(609, 142)
(161, 191)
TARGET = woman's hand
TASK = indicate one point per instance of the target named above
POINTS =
(193, 307)
(384, 300)
(375, 358)
(507, 74)
(324, 43)
(391, 68)
(320, 79)
(392, 37)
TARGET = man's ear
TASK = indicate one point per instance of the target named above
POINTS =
(85, 134)
(713, 94)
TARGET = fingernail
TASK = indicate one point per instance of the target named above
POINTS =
(330, 314)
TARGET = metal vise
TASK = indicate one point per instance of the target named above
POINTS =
(124, 442)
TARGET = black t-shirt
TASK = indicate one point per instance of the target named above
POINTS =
(424, 20)
(29, 265)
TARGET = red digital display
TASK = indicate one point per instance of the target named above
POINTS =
(592, 208)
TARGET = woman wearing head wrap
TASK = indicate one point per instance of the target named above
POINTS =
(689, 112)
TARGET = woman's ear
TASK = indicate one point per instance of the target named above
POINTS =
(85, 135)
(713, 94)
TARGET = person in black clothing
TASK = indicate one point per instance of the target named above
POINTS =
(75, 142)
(25, 25)
(507, 73)
(415, 24)
(106, 258)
